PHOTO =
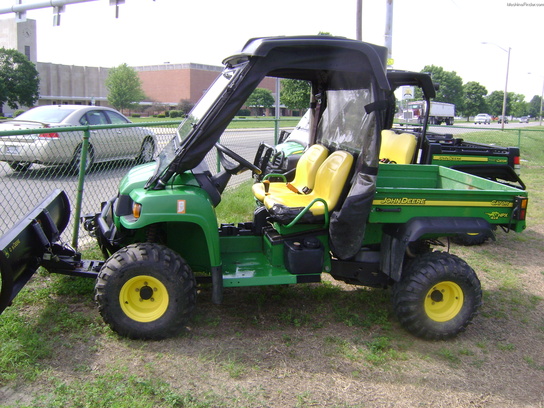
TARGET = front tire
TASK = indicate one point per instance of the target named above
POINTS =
(146, 291)
(437, 297)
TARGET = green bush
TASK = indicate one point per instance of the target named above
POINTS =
(244, 112)
(176, 114)
(18, 112)
(136, 115)
(161, 116)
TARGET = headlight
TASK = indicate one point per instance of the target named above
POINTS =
(136, 210)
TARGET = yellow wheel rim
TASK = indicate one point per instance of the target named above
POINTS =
(444, 301)
(143, 298)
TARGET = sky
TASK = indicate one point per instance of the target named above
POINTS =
(446, 33)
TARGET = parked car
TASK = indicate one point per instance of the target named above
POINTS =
(64, 148)
(505, 119)
(524, 119)
(482, 118)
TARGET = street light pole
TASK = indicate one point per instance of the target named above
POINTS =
(506, 83)
(359, 21)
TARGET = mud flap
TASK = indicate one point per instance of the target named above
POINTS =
(23, 247)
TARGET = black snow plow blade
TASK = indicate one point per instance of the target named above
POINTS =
(33, 242)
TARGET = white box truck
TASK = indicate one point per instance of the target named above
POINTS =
(441, 112)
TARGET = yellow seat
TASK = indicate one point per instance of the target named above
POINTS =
(397, 148)
(329, 183)
(305, 173)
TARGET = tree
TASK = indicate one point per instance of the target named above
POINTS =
(450, 85)
(495, 102)
(260, 98)
(124, 87)
(534, 106)
(295, 94)
(185, 105)
(474, 98)
(19, 79)
(517, 105)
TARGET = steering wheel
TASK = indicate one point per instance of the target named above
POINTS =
(230, 167)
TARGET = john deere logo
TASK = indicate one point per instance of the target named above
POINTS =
(403, 201)
(495, 215)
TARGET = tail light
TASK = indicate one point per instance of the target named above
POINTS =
(520, 208)
(52, 135)
(517, 165)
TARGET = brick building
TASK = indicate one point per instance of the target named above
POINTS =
(170, 83)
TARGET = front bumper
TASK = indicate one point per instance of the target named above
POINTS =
(102, 227)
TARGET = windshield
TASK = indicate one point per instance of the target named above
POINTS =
(192, 121)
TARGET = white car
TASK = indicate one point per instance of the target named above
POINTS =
(54, 148)
(482, 118)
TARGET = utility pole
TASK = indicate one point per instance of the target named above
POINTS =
(389, 29)
(359, 21)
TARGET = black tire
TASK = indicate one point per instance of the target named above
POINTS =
(20, 166)
(437, 297)
(73, 167)
(471, 239)
(146, 291)
(147, 151)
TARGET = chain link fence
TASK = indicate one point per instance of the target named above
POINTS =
(113, 150)
(34, 163)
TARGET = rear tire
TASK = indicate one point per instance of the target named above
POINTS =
(75, 164)
(20, 166)
(146, 291)
(437, 297)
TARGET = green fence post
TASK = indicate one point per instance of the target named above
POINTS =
(80, 184)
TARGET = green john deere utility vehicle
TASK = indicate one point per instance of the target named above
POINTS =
(347, 215)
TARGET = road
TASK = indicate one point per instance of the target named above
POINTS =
(471, 127)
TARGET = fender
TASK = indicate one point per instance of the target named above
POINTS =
(190, 205)
(397, 237)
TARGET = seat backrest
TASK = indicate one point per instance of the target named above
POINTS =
(307, 166)
(398, 148)
(332, 176)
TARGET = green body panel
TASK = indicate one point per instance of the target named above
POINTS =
(256, 260)
(290, 148)
(456, 159)
(434, 191)
(181, 202)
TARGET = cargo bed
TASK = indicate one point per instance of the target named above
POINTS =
(407, 191)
